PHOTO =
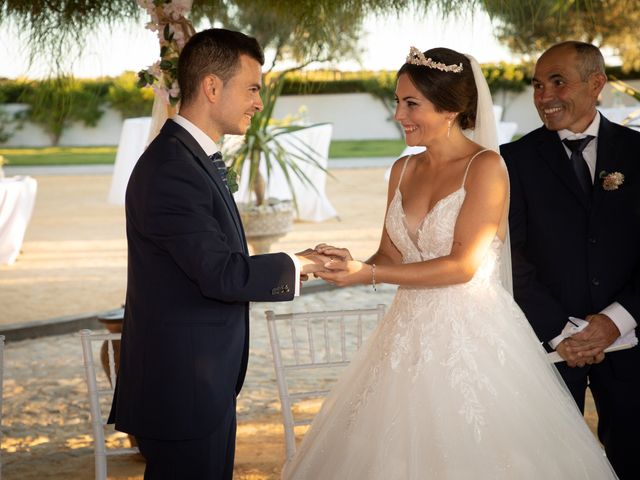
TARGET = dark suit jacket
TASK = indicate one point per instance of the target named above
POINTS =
(186, 325)
(574, 254)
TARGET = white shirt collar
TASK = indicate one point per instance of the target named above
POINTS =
(592, 129)
(208, 145)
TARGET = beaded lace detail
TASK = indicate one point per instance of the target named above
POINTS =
(410, 332)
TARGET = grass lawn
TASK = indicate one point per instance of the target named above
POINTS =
(366, 148)
(107, 155)
(59, 155)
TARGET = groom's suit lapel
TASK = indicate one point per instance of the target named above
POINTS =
(606, 161)
(552, 151)
(206, 163)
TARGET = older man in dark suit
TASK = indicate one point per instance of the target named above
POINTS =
(575, 232)
(190, 278)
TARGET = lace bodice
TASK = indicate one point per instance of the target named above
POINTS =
(434, 235)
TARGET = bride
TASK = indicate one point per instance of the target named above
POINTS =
(453, 383)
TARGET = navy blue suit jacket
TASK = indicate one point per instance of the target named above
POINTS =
(190, 279)
(573, 253)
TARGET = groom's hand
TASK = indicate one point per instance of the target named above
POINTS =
(311, 262)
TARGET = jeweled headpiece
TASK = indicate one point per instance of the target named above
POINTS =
(416, 57)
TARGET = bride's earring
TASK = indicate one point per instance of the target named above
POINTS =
(449, 128)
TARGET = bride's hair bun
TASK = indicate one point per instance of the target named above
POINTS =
(450, 92)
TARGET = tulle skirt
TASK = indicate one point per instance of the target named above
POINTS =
(452, 384)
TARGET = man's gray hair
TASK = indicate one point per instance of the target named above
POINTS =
(590, 57)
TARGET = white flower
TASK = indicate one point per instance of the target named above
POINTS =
(151, 26)
(155, 70)
(176, 9)
(178, 36)
(171, 15)
(146, 4)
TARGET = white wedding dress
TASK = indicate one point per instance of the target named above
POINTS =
(452, 384)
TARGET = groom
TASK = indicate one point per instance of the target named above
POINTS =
(575, 235)
(190, 279)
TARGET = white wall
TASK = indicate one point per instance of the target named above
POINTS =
(355, 116)
(106, 132)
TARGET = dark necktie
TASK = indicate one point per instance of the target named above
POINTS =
(579, 164)
(219, 164)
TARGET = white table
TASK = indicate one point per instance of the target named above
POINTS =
(133, 141)
(17, 198)
(313, 204)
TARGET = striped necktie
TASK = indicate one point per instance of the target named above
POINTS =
(219, 164)
(579, 164)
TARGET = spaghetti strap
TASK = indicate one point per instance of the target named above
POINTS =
(464, 179)
(404, 167)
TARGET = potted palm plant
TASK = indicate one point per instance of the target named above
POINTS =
(267, 219)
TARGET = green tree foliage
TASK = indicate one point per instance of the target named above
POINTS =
(324, 31)
(302, 30)
(5, 121)
(57, 102)
(125, 96)
(84, 100)
(535, 26)
(310, 29)
(52, 29)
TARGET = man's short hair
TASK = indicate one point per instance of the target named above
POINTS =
(213, 51)
(589, 56)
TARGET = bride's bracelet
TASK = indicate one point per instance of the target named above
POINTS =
(373, 277)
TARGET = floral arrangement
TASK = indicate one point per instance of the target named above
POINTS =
(173, 30)
(611, 181)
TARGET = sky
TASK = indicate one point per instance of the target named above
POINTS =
(385, 45)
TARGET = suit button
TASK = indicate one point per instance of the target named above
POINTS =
(592, 240)
(595, 282)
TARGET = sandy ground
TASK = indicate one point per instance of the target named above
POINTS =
(47, 434)
(74, 256)
(74, 262)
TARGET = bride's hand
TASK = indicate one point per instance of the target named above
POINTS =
(338, 253)
(344, 273)
(311, 261)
